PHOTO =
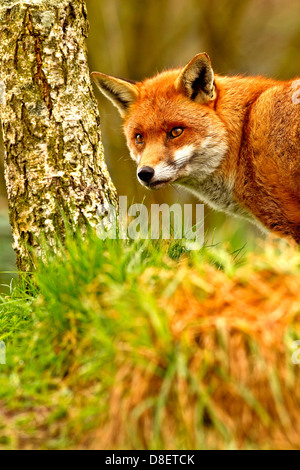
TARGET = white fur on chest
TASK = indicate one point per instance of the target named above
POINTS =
(217, 193)
(203, 178)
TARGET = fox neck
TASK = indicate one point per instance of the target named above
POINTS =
(232, 105)
(216, 191)
(236, 95)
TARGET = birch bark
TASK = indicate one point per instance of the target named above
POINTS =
(54, 158)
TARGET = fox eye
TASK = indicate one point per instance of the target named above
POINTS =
(139, 139)
(176, 132)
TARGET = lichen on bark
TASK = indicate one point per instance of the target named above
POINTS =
(54, 159)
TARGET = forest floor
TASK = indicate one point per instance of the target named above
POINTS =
(142, 345)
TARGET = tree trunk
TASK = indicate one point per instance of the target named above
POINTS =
(54, 159)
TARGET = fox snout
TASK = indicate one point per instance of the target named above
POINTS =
(145, 174)
(157, 175)
(160, 166)
(153, 177)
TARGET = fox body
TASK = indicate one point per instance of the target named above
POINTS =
(232, 141)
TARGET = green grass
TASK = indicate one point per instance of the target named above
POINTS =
(53, 327)
(91, 319)
(7, 255)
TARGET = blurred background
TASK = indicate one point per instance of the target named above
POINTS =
(134, 40)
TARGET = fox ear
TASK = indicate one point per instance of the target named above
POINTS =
(121, 92)
(197, 79)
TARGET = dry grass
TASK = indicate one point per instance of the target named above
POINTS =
(233, 341)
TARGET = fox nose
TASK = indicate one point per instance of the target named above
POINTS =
(145, 173)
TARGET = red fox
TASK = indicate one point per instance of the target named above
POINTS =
(232, 141)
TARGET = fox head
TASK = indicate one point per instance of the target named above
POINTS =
(172, 129)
